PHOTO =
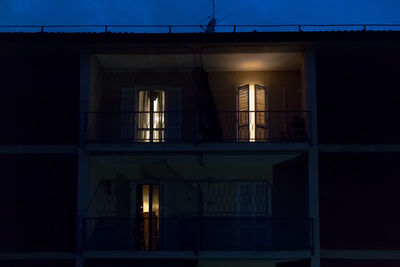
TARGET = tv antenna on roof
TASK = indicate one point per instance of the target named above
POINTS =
(211, 24)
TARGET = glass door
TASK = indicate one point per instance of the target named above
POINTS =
(147, 216)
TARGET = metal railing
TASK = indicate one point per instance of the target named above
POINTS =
(199, 28)
(197, 233)
(196, 127)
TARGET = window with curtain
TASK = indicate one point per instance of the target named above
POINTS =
(151, 116)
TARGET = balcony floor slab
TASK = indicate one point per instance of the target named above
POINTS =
(201, 147)
(203, 255)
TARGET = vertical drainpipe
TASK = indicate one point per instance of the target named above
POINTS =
(83, 158)
(313, 180)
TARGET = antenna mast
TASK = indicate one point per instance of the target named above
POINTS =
(213, 14)
(210, 28)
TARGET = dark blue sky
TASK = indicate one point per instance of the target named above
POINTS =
(19, 12)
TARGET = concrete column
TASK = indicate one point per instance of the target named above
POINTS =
(313, 186)
(83, 157)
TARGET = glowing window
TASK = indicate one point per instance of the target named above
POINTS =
(252, 113)
(151, 116)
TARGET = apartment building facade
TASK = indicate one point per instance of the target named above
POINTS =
(194, 149)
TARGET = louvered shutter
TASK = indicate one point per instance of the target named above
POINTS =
(261, 113)
(243, 113)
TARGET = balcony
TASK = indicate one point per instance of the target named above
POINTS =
(230, 203)
(198, 127)
(218, 233)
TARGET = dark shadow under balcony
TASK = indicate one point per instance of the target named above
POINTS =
(217, 233)
(198, 127)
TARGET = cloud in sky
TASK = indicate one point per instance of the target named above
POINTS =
(18, 12)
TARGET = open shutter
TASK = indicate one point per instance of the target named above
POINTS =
(243, 113)
(127, 114)
(261, 112)
(173, 114)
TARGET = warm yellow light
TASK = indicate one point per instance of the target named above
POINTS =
(156, 115)
(146, 197)
(145, 206)
(252, 115)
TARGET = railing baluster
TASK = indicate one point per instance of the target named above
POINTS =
(187, 233)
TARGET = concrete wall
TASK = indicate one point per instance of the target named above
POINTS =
(96, 84)
(359, 200)
(358, 96)
(289, 189)
(359, 263)
(38, 262)
(100, 203)
(96, 92)
(40, 85)
(38, 202)
(141, 262)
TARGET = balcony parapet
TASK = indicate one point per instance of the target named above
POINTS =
(198, 127)
(217, 233)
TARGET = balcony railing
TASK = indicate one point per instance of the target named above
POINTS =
(197, 234)
(196, 127)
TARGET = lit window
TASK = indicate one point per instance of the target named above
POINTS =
(151, 116)
(252, 115)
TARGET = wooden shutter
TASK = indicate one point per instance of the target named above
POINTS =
(243, 113)
(261, 112)
(127, 114)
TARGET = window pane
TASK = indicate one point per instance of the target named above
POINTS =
(143, 136)
(151, 116)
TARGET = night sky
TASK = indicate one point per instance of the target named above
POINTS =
(28, 12)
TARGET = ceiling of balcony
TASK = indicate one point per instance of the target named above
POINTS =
(239, 166)
(210, 62)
